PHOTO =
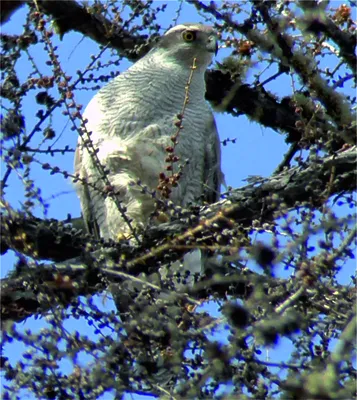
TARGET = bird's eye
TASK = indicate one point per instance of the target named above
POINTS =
(189, 36)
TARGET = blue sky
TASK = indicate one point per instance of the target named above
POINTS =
(257, 150)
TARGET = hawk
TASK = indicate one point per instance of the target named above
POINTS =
(131, 129)
(149, 124)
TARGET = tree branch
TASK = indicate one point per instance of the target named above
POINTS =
(70, 16)
(334, 103)
(55, 241)
(255, 102)
(8, 7)
(319, 22)
(37, 290)
(84, 273)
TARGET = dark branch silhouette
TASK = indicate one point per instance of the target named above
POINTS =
(257, 103)
(56, 241)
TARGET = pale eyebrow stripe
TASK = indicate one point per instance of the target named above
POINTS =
(176, 28)
(184, 27)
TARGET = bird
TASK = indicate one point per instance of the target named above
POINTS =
(145, 127)
(129, 127)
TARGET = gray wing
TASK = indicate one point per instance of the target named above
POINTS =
(213, 176)
(85, 196)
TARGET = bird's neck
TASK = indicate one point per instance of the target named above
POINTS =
(170, 76)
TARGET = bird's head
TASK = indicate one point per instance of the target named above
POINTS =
(184, 42)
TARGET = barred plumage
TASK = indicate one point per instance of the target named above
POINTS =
(131, 121)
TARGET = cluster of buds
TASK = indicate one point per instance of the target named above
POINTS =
(171, 158)
(343, 14)
(43, 82)
(244, 47)
(166, 183)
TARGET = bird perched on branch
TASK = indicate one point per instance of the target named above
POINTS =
(150, 127)
(149, 136)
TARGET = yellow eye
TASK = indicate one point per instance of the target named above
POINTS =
(189, 36)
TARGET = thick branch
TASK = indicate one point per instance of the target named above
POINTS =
(44, 239)
(256, 103)
(37, 290)
(8, 7)
(33, 291)
(83, 275)
(335, 104)
(258, 201)
(320, 22)
(69, 15)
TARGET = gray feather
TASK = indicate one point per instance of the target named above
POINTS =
(131, 121)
